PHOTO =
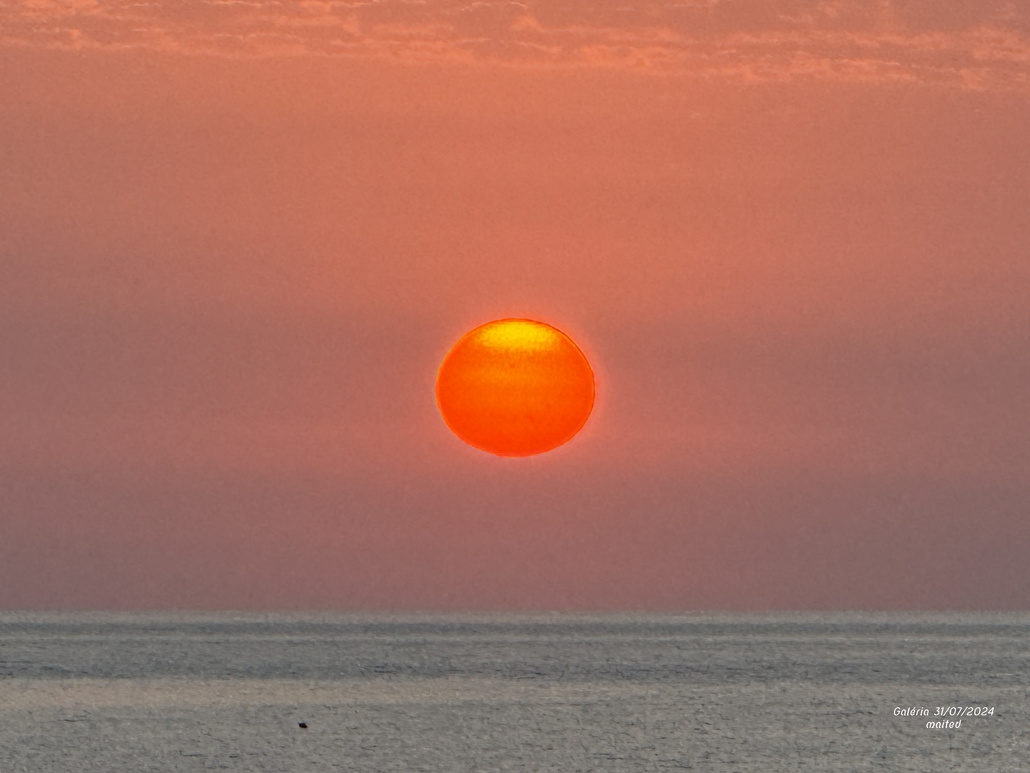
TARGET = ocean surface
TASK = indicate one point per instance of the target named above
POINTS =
(813, 692)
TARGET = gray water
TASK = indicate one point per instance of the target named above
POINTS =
(818, 692)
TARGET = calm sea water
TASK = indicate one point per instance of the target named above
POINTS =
(818, 692)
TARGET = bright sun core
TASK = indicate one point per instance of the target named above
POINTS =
(515, 387)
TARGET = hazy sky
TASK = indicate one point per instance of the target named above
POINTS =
(237, 239)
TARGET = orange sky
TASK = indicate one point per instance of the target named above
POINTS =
(236, 241)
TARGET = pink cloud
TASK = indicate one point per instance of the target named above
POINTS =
(946, 43)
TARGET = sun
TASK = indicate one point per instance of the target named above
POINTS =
(515, 387)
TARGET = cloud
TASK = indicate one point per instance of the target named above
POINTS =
(953, 44)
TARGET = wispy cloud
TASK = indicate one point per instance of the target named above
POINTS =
(983, 45)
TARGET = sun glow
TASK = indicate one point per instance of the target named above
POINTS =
(515, 387)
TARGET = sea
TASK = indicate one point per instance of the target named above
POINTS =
(530, 692)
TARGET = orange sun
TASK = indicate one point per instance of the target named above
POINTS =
(515, 387)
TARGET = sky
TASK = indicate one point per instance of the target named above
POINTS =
(237, 239)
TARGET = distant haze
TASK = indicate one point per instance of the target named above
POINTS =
(236, 241)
